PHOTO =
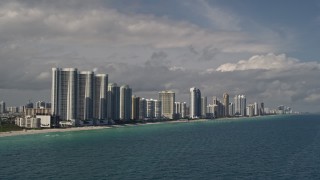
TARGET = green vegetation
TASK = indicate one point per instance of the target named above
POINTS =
(9, 127)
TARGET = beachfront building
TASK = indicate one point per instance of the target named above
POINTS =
(225, 104)
(180, 109)
(64, 93)
(2, 107)
(195, 103)
(142, 108)
(85, 96)
(204, 105)
(150, 109)
(240, 104)
(78, 96)
(113, 102)
(100, 98)
(135, 107)
(157, 109)
(125, 102)
(231, 109)
(167, 99)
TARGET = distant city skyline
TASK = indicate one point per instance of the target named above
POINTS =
(266, 50)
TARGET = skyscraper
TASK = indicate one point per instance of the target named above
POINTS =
(125, 102)
(167, 99)
(256, 109)
(142, 109)
(157, 109)
(231, 109)
(226, 104)
(85, 98)
(78, 95)
(100, 104)
(218, 107)
(262, 112)
(195, 103)
(2, 107)
(135, 107)
(204, 104)
(240, 104)
(64, 93)
(150, 108)
(113, 101)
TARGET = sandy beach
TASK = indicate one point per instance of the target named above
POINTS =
(85, 128)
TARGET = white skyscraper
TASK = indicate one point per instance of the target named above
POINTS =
(85, 99)
(150, 109)
(256, 109)
(142, 109)
(157, 109)
(78, 95)
(100, 105)
(240, 104)
(125, 102)
(195, 103)
(167, 99)
(64, 93)
(183, 110)
(231, 109)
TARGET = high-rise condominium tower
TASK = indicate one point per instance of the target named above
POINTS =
(64, 93)
(226, 104)
(135, 107)
(142, 109)
(195, 103)
(125, 102)
(85, 100)
(101, 97)
(204, 104)
(240, 105)
(113, 101)
(78, 95)
(2, 107)
(167, 99)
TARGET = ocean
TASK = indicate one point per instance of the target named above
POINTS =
(268, 147)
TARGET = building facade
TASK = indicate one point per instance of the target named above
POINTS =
(64, 93)
(167, 99)
(135, 107)
(113, 101)
(195, 103)
(226, 104)
(125, 102)
(240, 104)
(100, 104)
(85, 96)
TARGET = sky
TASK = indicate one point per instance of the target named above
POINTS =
(267, 50)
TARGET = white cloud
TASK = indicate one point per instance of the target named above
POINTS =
(267, 62)
(105, 25)
(312, 98)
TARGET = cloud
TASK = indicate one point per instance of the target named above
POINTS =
(149, 52)
(312, 98)
(50, 24)
(267, 62)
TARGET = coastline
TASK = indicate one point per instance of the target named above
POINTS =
(88, 128)
(85, 128)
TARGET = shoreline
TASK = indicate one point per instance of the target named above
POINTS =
(85, 128)
(88, 128)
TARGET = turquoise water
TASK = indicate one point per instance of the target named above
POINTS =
(277, 147)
